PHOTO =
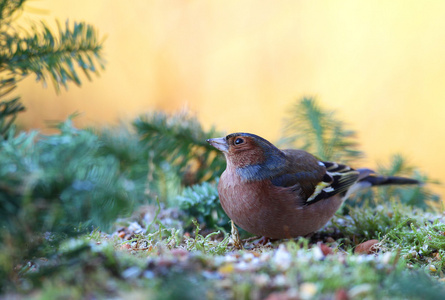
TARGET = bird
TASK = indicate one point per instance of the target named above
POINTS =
(279, 194)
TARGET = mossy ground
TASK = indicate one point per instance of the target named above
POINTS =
(159, 260)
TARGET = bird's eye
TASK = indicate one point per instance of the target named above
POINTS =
(239, 141)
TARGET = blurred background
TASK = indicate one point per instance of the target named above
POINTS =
(241, 65)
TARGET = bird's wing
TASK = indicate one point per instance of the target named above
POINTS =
(337, 180)
(316, 184)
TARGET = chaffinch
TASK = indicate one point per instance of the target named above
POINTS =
(284, 193)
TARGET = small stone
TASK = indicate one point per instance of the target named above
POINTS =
(248, 256)
(256, 254)
(131, 272)
(413, 254)
(282, 258)
(265, 256)
(125, 247)
(432, 268)
(360, 291)
(341, 294)
(280, 280)
(317, 253)
(277, 296)
(143, 245)
(325, 249)
(242, 266)
(367, 247)
(148, 274)
(226, 269)
(121, 234)
(386, 258)
(308, 290)
(262, 280)
(224, 283)
(179, 252)
(282, 296)
(231, 258)
(211, 275)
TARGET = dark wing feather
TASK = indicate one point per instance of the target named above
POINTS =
(340, 184)
(319, 183)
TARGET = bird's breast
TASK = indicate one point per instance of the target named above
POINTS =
(261, 208)
(255, 206)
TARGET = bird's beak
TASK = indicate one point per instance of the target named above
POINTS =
(220, 144)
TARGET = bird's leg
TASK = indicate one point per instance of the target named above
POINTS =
(235, 237)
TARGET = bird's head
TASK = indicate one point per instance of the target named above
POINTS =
(251, 155)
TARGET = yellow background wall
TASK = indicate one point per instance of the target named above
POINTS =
(241, 64)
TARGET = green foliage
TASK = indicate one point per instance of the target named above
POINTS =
(419, 240)
(205, 244)
(319, 132)
(8, 9)
(131, 154)
(178, 154)
(125, 145)
(60, 184)
(201, 201)
(78, 271)
(52, 56)
(416, 234)
(49, 55)
(95, 266)
(374, 223)
(180, 141)
(8, 114)
(412, 285)
(65, 169)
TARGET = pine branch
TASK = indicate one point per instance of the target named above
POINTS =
(318, 131)
(8, 114)
(398, 166)
(9, 109)
(180, 141)
(8, 8)
(52, 56)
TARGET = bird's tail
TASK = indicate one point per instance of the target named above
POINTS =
(367, 178)
(375, 180)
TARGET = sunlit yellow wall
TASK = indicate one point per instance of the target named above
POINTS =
(241, 64)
